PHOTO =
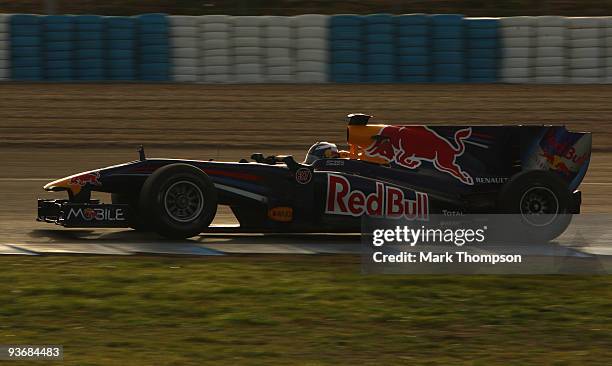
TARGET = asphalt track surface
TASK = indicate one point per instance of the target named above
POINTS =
(50, 131)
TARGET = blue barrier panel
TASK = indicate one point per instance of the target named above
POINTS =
(412, 41)
(153, 47)
(441, 32)
(347, 69)
(413, 79)
(120, 45)
(413, 51)
(448, 48)
(346, 33)
(416, 70)
(448, 44)
(346, 48)
(59, 44)
(90, 46)
(483, 49)
(349, 20)
(381, 59)
(344, 45)
(446, 20)
(26, 50)
(411, 19)
(380, 49)
(447, 57)
(342, 56)
(409, 60)
(413, 48)
(492, 53)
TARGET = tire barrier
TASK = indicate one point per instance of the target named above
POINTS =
(216, 49)
(549, 51)
(413, 45)
(309, 48)
(379, 40)
(247, 49)
(278, 58)
(153, 47)
(58, 51)
(606, 42)
(89, 62)
(26, 47)
(516, 49)
(346, 48)
(310, 35)
(5, 52)
(447, 48)
(120, 54)
(482, 42)
(584, 51)
(184, 48)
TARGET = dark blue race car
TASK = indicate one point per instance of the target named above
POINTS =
(408, 172)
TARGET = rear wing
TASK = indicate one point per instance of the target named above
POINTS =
(556, 149)
(550, 148)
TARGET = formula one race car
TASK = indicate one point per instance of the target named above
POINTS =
(408, 172)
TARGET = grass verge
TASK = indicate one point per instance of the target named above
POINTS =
(305, 310)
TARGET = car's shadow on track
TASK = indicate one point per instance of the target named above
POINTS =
(130, 236)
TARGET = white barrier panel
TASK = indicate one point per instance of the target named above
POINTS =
(279, 60)
(516, 44)
(311, 47)
(216, 64)
(606, 45)
(248, 49)
(549, 51)
(584, 50)
(184, 43)
(5, 48)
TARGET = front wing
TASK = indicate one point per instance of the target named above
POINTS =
(90, 214)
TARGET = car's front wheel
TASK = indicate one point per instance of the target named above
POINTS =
(178, 201)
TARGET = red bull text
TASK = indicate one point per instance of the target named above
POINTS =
(386, 201)
(409, 146)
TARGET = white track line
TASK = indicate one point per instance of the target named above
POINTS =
(25, 180)
(50, 179)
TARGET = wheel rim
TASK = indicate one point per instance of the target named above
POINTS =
(539, 206)
(184, 201)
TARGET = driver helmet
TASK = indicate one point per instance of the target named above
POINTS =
(321, 150)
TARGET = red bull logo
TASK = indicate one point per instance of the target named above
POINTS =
(386, 201)
(88, 178)
(556, 163)
(409, 146)
(561, 152)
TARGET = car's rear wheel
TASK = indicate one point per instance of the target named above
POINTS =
(178, 201)
(538, 203)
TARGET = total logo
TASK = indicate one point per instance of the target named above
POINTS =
(97, 214)
(386, 201)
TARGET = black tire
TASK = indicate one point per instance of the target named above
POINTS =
(178, 201)
(135, 219)
(539, 206)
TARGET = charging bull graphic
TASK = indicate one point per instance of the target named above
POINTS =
(87, 178)
(409, 146)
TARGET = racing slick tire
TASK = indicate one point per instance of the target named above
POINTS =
(178, 201)
(135, 219)
(538, 203)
